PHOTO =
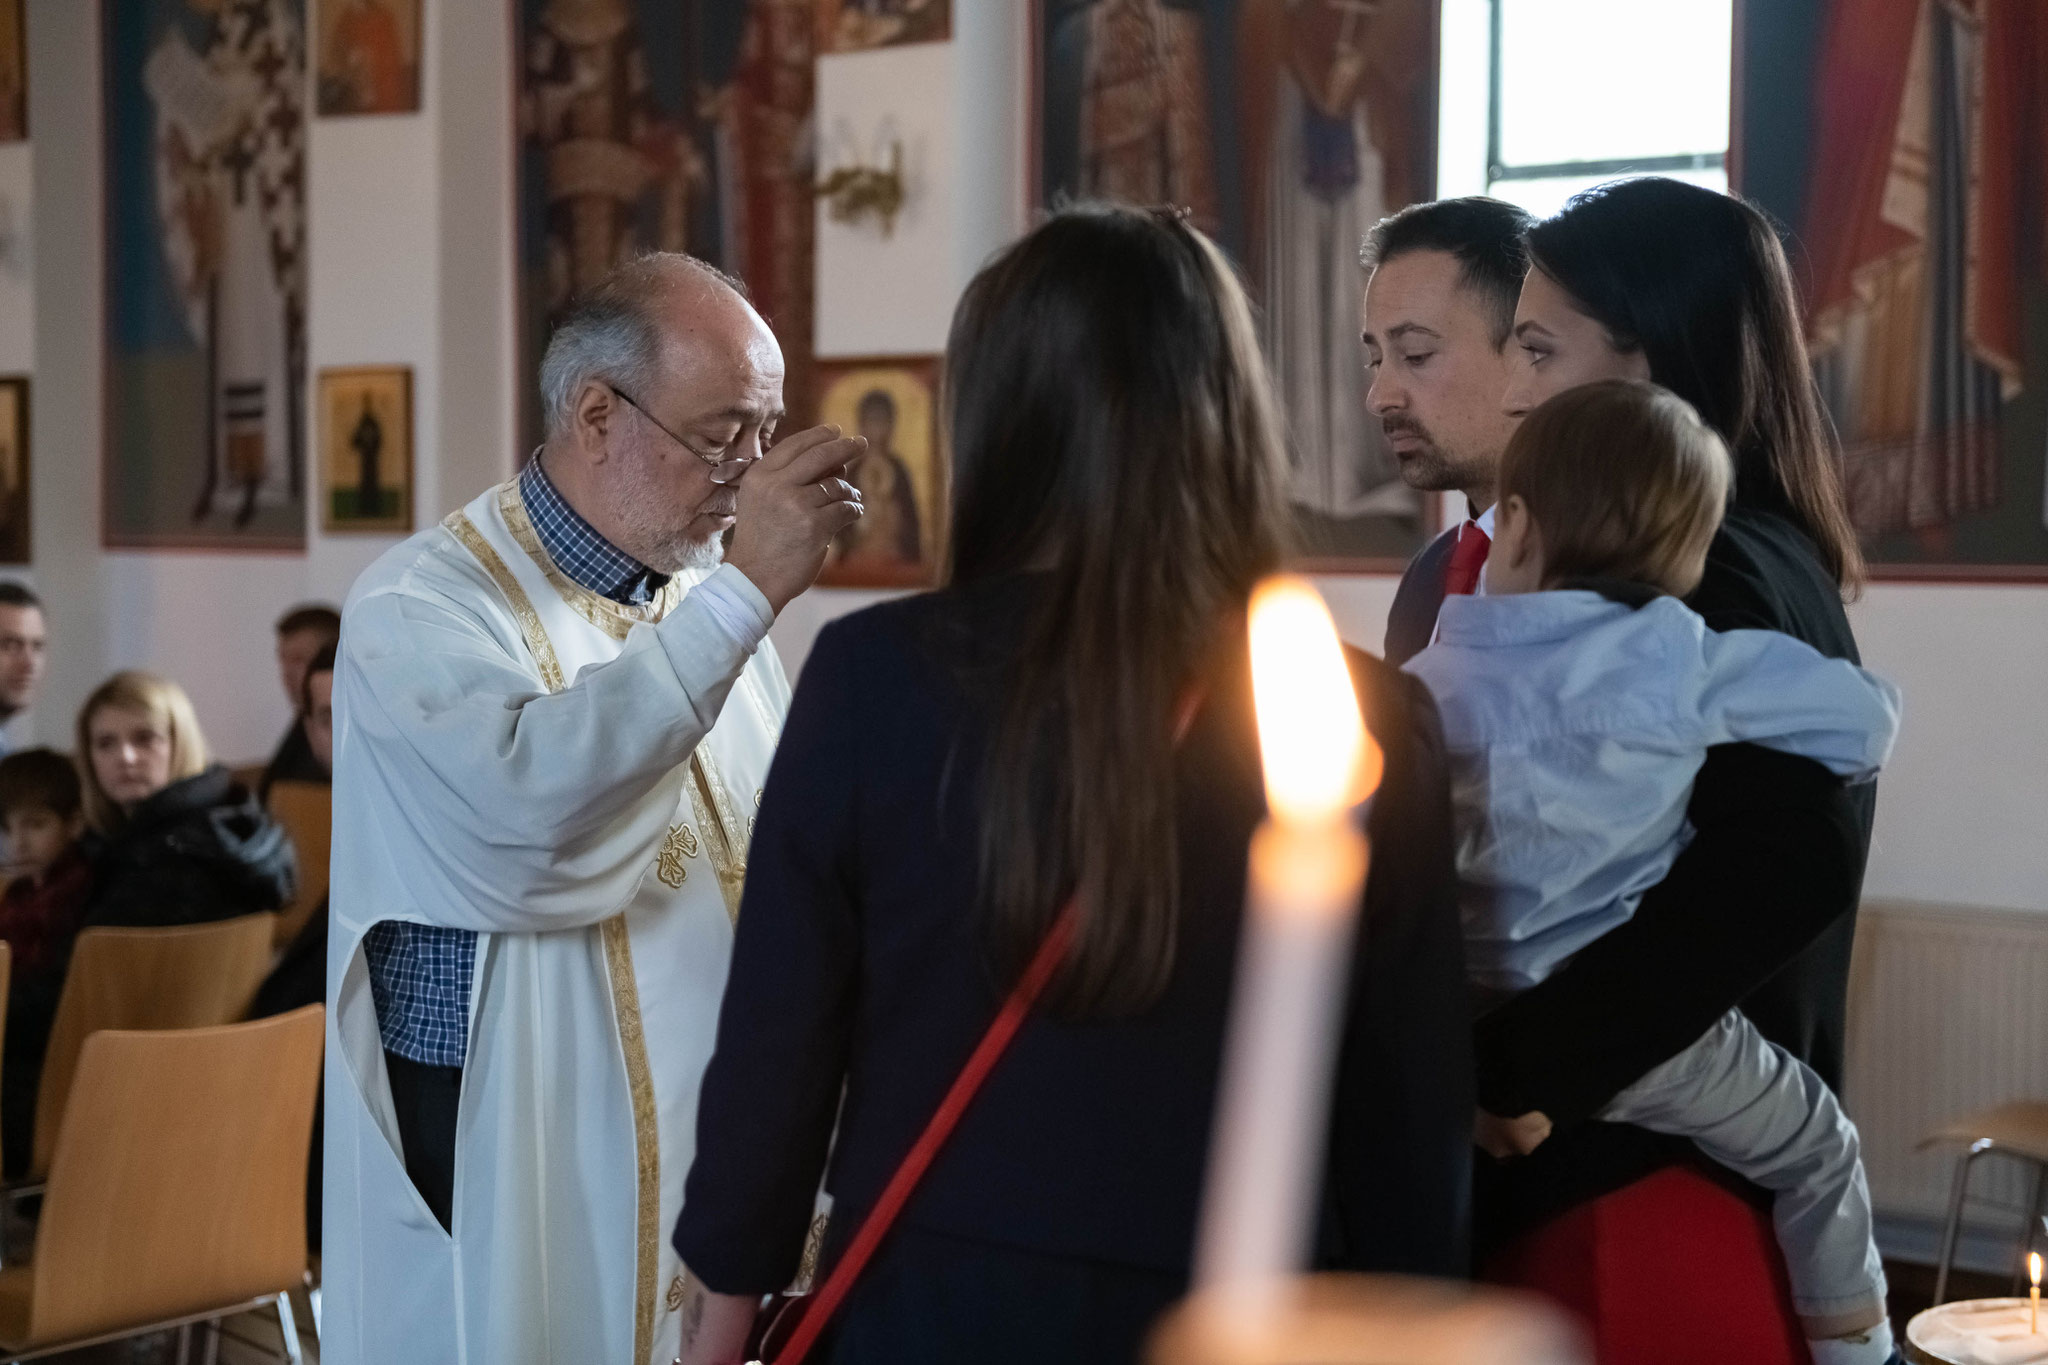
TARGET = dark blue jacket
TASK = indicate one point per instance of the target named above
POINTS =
(860, 966)
(1412, 620)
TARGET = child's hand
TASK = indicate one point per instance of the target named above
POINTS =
(1503, 1138)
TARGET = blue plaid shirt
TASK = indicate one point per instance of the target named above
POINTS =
(420, 973)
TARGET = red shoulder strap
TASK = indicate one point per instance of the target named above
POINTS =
(1051, 952)
(882, 1217)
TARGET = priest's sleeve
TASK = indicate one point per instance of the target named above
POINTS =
(517, 809)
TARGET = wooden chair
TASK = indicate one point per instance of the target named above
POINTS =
(6, 977)
(306, 810)
(192, 976)
(178, 1189)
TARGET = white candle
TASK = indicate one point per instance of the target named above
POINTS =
(2034, 1294)
(1308, 865)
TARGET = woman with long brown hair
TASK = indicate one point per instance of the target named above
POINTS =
(1070, 715)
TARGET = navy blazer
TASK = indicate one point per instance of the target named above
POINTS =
(1412, 621)
(859, 971)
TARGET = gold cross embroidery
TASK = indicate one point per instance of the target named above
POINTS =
(680, 846)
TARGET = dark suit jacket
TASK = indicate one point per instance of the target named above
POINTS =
(1759, 911)
(1412, 621)
(859, 966)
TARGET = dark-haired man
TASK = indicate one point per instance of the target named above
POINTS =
(24, 644)
(1440, 297)
(302, 633)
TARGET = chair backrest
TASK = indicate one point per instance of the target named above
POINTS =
(306, 810)
(191, 976)
(179, 1182)
(6, 978)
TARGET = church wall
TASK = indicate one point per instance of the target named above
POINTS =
(17, 295)
(409, 238)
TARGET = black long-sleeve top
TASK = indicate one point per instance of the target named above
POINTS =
(1758, 911)
(860, 963)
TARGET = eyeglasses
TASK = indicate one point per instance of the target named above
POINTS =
(723, 471)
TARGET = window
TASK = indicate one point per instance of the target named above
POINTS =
(1543, 98)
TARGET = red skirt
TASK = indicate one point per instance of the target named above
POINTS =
(1672, 1270)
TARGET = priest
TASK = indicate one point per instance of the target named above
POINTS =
(554, 714)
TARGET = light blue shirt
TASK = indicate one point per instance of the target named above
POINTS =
(1575, 726)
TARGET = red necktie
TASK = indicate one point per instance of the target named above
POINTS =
(1468, 556)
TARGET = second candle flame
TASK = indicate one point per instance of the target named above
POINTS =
(1319, 761)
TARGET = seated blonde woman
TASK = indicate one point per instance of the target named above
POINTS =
(176, 839)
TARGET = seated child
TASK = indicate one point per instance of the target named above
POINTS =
(40, 914)
(1579, 697)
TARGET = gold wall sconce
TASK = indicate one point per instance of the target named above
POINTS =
(852, 193)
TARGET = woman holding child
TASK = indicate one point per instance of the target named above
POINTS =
(1661, 281)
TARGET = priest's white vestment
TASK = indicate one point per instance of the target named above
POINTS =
(518, 756)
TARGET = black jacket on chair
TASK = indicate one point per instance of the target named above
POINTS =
(1074, 1180)
(1412, 621)
(199, 850)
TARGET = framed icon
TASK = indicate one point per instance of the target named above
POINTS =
(893, 401)
(14, 504)
(366, 449)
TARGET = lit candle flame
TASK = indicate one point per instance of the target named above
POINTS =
(1319, 760)
(2034, 1267)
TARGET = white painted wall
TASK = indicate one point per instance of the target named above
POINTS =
(878, 291)
(17, 257)
(401, 273)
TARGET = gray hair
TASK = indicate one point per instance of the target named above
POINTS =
(609, 334)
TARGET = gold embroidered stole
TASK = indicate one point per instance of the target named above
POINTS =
(713, 807)
(726, 835)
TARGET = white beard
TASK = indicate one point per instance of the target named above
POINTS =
(705, 554)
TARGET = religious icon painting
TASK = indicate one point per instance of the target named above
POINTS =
(369, 56)
(205, 232)
(857, 25)
(894, 402)
(1287, 128)
(667, 125)
(13, 73)
(366, 448)
(1913, 193)
(14, 523)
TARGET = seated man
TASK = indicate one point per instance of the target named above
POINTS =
(302, 633)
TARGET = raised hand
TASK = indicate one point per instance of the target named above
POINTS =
(789, 506)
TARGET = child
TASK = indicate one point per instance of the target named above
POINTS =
(42, 814)
(43, 817)
(1579, 698)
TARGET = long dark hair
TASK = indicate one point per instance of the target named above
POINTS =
(1697, 282)
(1113, 425)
